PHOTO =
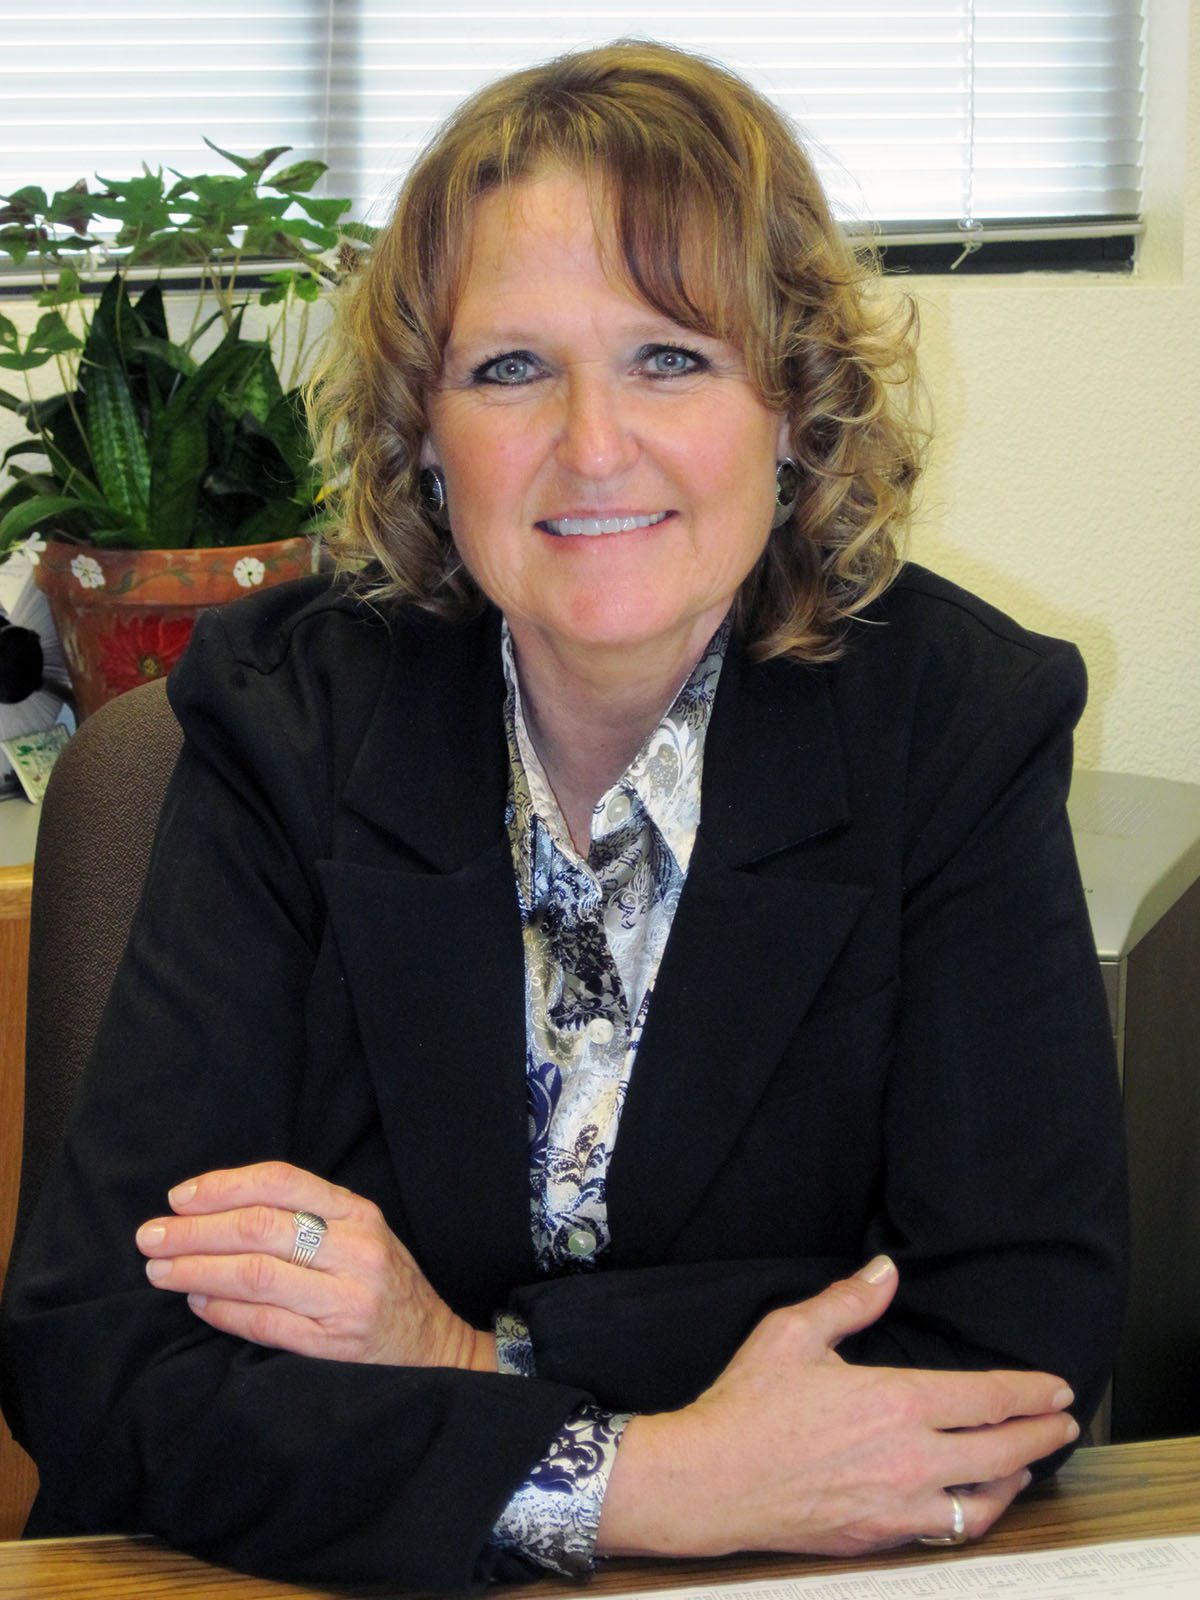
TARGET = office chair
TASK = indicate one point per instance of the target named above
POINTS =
(93, 847)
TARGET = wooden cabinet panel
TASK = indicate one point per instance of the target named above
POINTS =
(18, 1477)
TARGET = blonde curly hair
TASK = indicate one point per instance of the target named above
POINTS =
(721, 225)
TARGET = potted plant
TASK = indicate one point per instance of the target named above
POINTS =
(166, 471)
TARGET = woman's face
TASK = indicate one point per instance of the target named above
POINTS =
(610, 476)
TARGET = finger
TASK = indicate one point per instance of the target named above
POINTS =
(272, 1326)
(271, 1183)
(250, 1230)
(979, 1399)
(982, 1503)
(851, 1304)
(981, 1454)
(252, 1280)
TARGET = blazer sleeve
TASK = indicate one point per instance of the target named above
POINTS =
(1002, 1194)
(139, 1417)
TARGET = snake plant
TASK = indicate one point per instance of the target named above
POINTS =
(154, 441)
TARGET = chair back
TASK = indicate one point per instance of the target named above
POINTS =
(98, 822)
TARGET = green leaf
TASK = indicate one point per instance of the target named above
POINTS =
(221, 190)
(363, 232)
(253, 166)
(310, 232)
(27, 204)
(325, 212)
(71, 207)
(52, 334)
(27, 362)
(299, 177)
(8, 333)
(118, 445)
(152, 311)
(171, 355)
(65, 292)
(308, 287)
(194, 338)
(180, 447)
(121, 536)
(16, 243)
(116, 442)
(23, 447)
(260, 390)
(24, 518)
(287, 426)
(277, 519)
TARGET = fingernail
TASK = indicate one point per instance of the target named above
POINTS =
(877, 1270)
(181, 1194)
(1072, 1429)
(1061, 1399)
(197, 1301)
(1026, 1479)
(156, 1271)
(150, 1234)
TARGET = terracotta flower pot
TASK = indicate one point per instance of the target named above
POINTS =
(124, 616)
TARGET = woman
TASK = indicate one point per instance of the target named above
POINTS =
(563, 968)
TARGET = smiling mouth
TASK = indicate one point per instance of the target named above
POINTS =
(593, 527)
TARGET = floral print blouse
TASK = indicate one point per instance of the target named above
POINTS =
(594, 932)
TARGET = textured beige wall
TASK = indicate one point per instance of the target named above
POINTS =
(1064, 484)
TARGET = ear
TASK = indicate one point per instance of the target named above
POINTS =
(783, 445)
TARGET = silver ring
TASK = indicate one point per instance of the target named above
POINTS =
(310, 1230)
(958, 1527)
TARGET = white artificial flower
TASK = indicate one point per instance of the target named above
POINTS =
(87, 569)
(32, 548)
(248, 571)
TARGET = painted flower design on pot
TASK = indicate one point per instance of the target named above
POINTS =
(142, 649)
(248, 571)
(89, 572)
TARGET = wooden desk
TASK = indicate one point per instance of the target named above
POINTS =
(1127, 1491)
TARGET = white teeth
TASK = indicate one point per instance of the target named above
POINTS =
(591, 527)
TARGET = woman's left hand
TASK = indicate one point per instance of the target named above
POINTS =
(361, 1297)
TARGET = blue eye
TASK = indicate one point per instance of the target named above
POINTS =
(517, 366)
(672, 361)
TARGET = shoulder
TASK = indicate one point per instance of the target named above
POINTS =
(289, 679)
(955, 707)
(928, 612)
(945, 652)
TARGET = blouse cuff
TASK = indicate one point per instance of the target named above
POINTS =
(514, 1347)
(553, 1518)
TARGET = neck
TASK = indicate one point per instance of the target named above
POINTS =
(589, 712)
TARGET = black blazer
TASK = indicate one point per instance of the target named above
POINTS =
(878, 1024)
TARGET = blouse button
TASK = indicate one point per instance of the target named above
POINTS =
(600, 1030)
(581, 1241)
(618, 807)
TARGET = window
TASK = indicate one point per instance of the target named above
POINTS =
(950, 119)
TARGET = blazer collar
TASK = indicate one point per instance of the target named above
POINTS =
(433, 769)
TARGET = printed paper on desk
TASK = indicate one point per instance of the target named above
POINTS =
(1150, 1569)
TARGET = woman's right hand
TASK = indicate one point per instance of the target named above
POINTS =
(794, 1449)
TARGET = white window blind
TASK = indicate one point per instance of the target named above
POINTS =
(924, 117)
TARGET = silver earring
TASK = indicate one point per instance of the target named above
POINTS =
(431, 489)
(787, 490)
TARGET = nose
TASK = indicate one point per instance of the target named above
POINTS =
(598, 439)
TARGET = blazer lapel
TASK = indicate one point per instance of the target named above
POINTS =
(423, 909)
(747, 951)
